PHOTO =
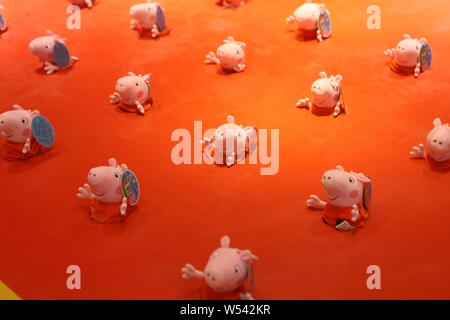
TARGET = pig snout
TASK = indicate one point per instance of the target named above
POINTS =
(94, 178)
(214, 278)
(334, 183)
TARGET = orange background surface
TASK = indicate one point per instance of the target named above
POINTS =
(185, 209)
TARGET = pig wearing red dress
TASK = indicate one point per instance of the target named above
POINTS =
(348, 195)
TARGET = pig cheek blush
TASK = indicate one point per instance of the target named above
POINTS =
(26, 132)
(354, 194)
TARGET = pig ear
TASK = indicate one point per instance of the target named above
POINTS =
(322, 7)
(406, 36)
(112, 162)
(340, 168)
(361, 177)
(250, 130)
(437, 122)
(17, 107)
(34, 113)
(247, 255)
(225, 242)
(131, 73)
(124, 167)
(423, 40)
(323, 74)
(338, 78)
(230, 119)
(243, 45)
(147, 77)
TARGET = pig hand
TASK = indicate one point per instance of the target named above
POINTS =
(155, 31)
(134, 24)
(304, 103)
(27, 146)
(417, 70)
(418, 152)
(337, 110)
(246, 296)
(319, 35)
(50, 68)
(85, 192)
(315, 202)
(290, 19)
(124, 206)
(390, 53)
(190, 272)
(355, 213)
(239, 67)
(211, 58)
(114, 98)
(88, 3)
(230, 159)
(140, 107)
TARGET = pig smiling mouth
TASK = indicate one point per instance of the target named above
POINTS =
(332, 198)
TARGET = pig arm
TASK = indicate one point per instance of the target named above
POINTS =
(135, 25)
(140, 107)
(418, 152)
(211, 58)
(319, 35)
(88, 3)
(50, 67)
(355, 213)
(190, 272)
(246, 296)
(417, 70)
(390, 53)
(85, 192)
(290, 19)
(304, 103)
(239, 67)
(337, 109)
(27, 146)
(114, 98)
(155, 31)
(124, 206)
(315, 202)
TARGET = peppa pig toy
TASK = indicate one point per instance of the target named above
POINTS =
(149, 17)
(111, 189)
(230, 55)
(313, 20)
(411, 56)
(327, 96)
(25, 134)
(133, 93)
(83, 3)
(230, 142)
(52, 51)
(226, 270)
(3, 25)
(438, 146)
(349, 196)
(232, 3)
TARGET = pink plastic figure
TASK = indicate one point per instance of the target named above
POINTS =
(149, 17)
(313, 20)
(3, 25)
(411, 56)
(327, 94)
(104, 189)
(226, 270)
(52, 51)
(231, 142)
(19, 140)
(438, 146)
(232, 3)
(349, 196)
(133, 93)
(83, 3)
(230, 55)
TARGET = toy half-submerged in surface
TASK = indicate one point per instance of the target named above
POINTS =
(438, 146)
(232, 3)
(230, 143)
(3, 25)
(349, 196)
(133, 93)
(53, 52)
(83, 3)
(411, 56)
(226, 270)
(111, 190)
(327, 96)
(24, 134)
(149, 18)
(313, 20)
(230, 55)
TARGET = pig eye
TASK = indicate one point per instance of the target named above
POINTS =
(117, 175)
(215, 254)
(351, 180)
(138, 84)
(236, 270)
(46, 46)
(24, 121)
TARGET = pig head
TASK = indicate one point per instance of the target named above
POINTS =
(307, 15)
(438, 141)
(326, 90)
(132, 88)
(145, 13)
(408, 50)
(42, 47)
(15, 125)
(231, 53)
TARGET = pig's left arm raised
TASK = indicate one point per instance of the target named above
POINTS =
(124, 206)
(85, 192)
(315, 202)
(418, 152)
(190, 272)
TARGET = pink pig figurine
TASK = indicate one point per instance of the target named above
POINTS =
(307, 18)
(149, 17)
(83, 3)
(52, 51)
(326, 93)
(349, 196)
(104, 190)
(226, 270)
(230, 142)
(18, 142)
(133, 93)
(405, 58)
(230, 55)
(438, 146)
